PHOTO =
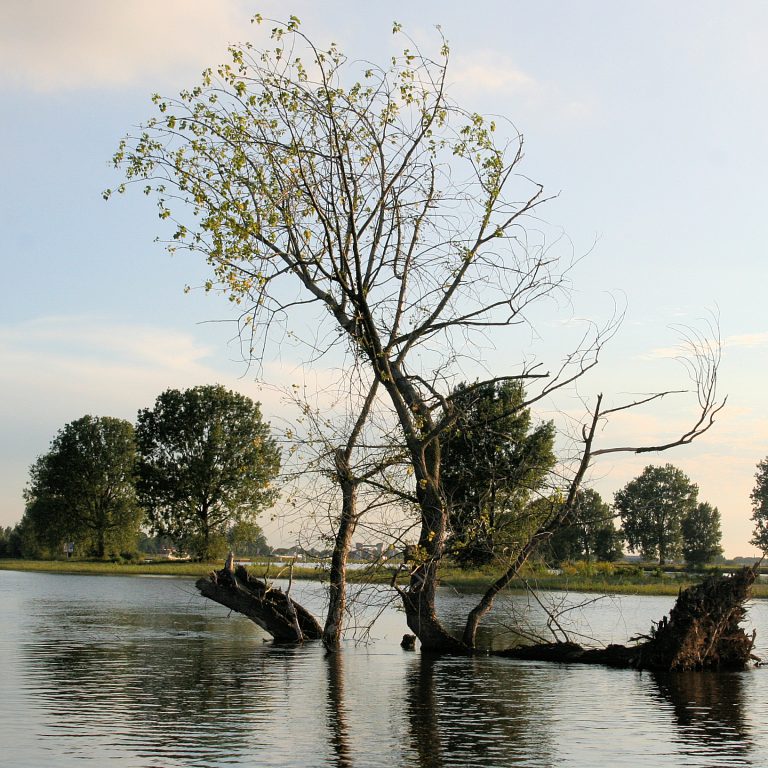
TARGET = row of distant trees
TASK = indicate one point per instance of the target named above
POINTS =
(659, 516)
(196, 469)
(495, 470)
(661, 519)
(200, 465)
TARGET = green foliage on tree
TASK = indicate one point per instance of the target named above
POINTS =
(9, 542)
(491, 464)
(759, 497)
(23, 541)
(155, 545)
(206, 462)
(652, 508)
(82, 491)
(5, 537)
(589, 534)
(246, 539)
(701, 535)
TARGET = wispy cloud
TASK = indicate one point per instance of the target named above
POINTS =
(744, 340)
(491, 71)
(52, 45)
(749, 340)
(661, 353)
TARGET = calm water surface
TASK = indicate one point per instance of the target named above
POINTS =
(142, 672)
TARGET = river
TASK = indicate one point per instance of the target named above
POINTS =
(141, 672)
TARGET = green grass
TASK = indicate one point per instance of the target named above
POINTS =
(622, 581)
(165, 568)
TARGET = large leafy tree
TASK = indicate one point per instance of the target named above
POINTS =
(248, 539)
(759, 497)
(206, 461)
(653, 507)
(589, 533)
(492, 461)
(701, 535)
(373, 199)
(83, 489)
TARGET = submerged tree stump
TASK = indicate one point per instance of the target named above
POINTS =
(269, 607)
(702, 632)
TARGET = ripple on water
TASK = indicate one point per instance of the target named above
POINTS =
(143, 673)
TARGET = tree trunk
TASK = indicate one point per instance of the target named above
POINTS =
(419, 598)
(337, 589)
(475, 616)
(416, 421)
(419, 605)
(701, 632)
(205, 555)
(269, 607)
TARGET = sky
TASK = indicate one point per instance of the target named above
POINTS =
(646, 122)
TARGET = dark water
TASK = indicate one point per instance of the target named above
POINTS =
(142, 672)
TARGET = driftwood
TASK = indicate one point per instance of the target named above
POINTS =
(702, 632)
(269, 607)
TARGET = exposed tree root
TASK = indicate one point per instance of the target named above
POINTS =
(269, 607)
(702, 632)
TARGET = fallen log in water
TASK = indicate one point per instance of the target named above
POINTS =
(269, 607)
(702, 632)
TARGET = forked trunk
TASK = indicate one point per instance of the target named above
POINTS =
(419, 605)
(419, 598)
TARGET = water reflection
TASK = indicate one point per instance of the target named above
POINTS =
(422, 708)
(135, 673)
(161, 697)
(476, 712)
(335, 709)
(710, 714)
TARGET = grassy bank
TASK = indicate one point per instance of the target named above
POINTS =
(630, 581)
(164, 568)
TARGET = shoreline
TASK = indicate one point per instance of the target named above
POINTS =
(453, 578)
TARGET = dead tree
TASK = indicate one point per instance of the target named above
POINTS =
(703, 631)
(703, 361)
(269, 607)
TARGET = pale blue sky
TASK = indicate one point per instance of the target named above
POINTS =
(648, 119)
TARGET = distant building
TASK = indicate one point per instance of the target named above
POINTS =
(290, 553)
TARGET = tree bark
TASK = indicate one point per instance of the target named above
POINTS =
(269, 607)
(419, 604)
(701, 632)
(337, 589)
(419, 598)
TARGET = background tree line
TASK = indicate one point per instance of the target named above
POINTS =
(495, 468)
(199, 467)
(196, 470)
(661, 519)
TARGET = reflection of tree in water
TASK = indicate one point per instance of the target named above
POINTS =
(130, 684)
(336, 711)
(474, 712)
(421, 699)
(710, 713)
